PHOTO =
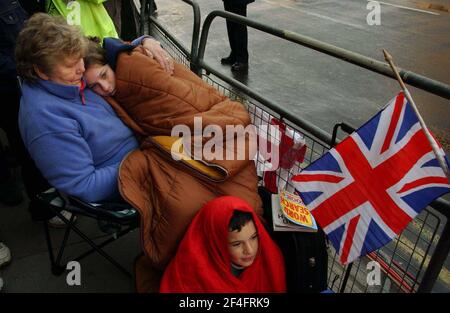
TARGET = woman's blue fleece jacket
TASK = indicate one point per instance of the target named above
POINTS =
(77, 147)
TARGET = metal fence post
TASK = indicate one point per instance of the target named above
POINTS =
(437, 261)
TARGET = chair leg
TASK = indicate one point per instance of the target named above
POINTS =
(97, 247)
(57, 269)
(66, 237)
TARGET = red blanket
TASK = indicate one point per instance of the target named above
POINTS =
(202, 262)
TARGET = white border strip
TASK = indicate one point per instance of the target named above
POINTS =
(406, 8)
(290, 7)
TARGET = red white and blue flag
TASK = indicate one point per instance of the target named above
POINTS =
(367, 189)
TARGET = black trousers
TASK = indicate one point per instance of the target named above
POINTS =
(33, 181)
(237, 33)
(9, 111)
(32, 6)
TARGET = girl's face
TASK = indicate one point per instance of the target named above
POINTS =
(101, 79)
(243, 245)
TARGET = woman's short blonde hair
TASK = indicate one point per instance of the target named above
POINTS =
(44, 41)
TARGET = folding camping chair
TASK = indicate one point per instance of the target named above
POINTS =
(118, 219)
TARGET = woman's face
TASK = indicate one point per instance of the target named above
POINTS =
(243, 245)
(101, 79)
(68, 71)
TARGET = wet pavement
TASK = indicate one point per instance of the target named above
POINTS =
(322, 89)
(30, 271)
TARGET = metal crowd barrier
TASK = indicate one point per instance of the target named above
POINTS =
(410, 263)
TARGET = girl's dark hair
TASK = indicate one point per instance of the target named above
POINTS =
(95, 53)
(239, 219)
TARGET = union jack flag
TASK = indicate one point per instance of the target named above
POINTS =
(367, 189)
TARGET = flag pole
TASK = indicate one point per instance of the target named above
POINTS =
(408, 96)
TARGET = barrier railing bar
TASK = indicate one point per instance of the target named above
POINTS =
(193, 54)
(195, 32)
(284, 113)
(411, 78)
(429, 248)
(437, 261)
(442, 206)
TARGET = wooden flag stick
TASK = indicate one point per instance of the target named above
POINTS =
(430, 138)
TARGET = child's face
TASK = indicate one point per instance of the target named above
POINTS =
(243, 245)
(101, 79)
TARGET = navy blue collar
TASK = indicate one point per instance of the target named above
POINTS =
(113, 48)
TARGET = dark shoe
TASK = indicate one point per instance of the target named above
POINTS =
(239, 67)
(228, 60)
(5, 255)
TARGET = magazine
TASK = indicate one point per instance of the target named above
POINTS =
(289, 213)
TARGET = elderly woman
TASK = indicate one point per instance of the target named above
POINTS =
(75, 138)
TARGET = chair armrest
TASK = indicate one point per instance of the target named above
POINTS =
(115, 211)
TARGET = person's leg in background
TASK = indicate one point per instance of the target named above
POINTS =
(18, 156)
(230, 32)
(136, 9)
(33, 6)
(238, 38)
(129, 29)
(10, 193)
(155, 8)
(131, 18)
(10, 27)
(114, 8)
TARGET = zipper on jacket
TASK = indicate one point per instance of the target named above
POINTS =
(82, 88)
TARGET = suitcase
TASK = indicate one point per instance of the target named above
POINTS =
(305, 254)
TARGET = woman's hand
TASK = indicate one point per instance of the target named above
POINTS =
(154, 50)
